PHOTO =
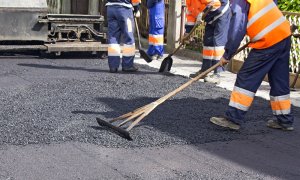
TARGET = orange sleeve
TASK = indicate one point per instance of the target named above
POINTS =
(201, 7)
(195, 6)
(192, 7)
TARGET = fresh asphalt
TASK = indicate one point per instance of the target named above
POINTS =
(48, 128)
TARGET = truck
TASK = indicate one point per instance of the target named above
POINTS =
(27, 25)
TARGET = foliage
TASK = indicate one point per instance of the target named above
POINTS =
(289, 5)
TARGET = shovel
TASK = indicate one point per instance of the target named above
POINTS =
(142, 52)
(168, 61)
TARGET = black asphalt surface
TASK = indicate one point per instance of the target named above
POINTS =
(46, 101)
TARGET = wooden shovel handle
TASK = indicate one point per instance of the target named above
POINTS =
(191, 32)
(173, 93)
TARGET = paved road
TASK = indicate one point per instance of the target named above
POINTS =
(48, 128)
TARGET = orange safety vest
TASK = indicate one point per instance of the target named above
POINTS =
(266, 24)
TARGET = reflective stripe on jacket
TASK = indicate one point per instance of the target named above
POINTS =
(266, 25)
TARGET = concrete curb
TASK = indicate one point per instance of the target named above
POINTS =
(181, 53)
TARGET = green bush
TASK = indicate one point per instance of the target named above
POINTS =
(289, 5)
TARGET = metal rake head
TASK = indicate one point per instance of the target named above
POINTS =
(131, 118)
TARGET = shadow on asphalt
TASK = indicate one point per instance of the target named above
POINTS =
(56, 67)
(254, 146)
(41, 55)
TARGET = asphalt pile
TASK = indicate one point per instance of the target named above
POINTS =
(52, 101)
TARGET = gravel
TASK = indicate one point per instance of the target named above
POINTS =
(46, 101)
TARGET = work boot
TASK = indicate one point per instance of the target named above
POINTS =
(130, 69)
(221, 121)
(158, 57)
(153, 57)
(214, 78)
(196, 74)
(274, 124)
(113, 70)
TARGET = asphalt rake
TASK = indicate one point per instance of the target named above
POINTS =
(134, 117)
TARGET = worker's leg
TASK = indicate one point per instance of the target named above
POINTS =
(279, 82)
(126, 23)
(208, 47)
(249, 78)
(156, 31)
(220, 38)
(188, 28)
(215, 38)
(114, 33)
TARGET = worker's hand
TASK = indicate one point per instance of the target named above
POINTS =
(223, 61)
(136, 11)
(199, 18)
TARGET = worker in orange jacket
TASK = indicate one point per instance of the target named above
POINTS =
(216, 29)
(269, 34)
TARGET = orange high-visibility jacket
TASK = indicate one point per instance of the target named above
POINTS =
(194, 7)
(266, 24)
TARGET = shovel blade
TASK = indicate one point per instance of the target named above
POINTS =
(166, 64)
(120, 131)
(145, 56)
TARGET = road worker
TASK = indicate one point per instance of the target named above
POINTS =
(121, 26)
(215, 37)
(156, 29)
(269, 34)
(192, 11)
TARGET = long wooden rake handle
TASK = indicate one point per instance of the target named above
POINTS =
(154, 104)
(145, 110)
(140, 113)
(190, 33)
(173, 93)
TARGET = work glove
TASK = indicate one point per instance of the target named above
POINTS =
(223, 61)
(199, 18)
(136, 11)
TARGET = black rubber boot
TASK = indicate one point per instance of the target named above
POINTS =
(130, 69)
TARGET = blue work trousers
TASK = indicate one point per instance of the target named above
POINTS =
(273, 61)
(214, 41)
(120, 27)
(156, 29)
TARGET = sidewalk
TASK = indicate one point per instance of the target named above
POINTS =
(185, 66)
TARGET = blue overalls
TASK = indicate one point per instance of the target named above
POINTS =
(156, 29)
(215, 37)
(272, 61)
(120, 27)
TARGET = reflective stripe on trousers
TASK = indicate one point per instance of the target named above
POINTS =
(120, 24)
(273, 61)
(214, 40)
(156, 29)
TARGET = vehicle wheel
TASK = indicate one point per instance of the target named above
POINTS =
(101, 55)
